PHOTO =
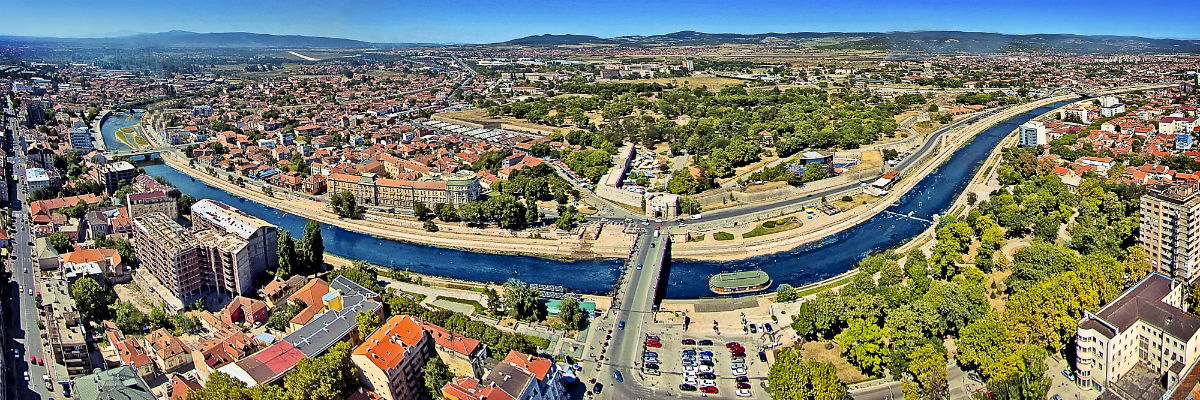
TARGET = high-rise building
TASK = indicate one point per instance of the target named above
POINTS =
(1170, 229)
(172, 255)
(239, 247)
(113, 174)
(81, 136)
(1032, 133)
(35, 112)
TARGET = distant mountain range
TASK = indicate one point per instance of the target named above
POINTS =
(185, 39)
(937, 42)
(931, 42)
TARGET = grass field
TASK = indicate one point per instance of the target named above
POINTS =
(775, 226)
(713, 83)
(480, 116)
(478, 307)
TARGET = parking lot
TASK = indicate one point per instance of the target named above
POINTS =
(704, 362)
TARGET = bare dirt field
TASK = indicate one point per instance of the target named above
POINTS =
(480, 116)
(713, 83)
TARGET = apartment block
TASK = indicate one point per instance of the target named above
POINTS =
(64, 328)
(390, 360)
(113, 174)
(172, 255)
(238, 246)
(1145, 327)
(1031, 134)
(143, 203)
(1170, 229)
(372, 191)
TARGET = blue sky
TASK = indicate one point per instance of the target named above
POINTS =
(483, 21)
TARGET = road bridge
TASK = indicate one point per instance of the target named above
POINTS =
(638, 292)
(143, 152)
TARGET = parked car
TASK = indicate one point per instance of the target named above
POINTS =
(706, 353)
(653, 343)
(688, 342)
(650, 354)
(706, 375)
(743, 393)
(597, 387)
(767, 327)
(621, 325)
(651, 366)
(742, 379)
(731, 345)
(705, 342)
(687, 388)
(708, 382)
(739, 372)
(753, 329)
(743, 385)
(1067, 373)
(689, 353)
(617, 376)
(689, 368)
(709, 389)
(738, 360)
(706, 368)
(762, 356)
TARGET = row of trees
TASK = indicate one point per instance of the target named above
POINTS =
(305, 257)
(329, 376)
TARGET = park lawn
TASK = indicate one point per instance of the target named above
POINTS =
(478, 307)
(824, 287)
(140, 141)
(713, 83)
(723, 236)
(480, 116)
(779, 226)
(845, 372)
(855, 201)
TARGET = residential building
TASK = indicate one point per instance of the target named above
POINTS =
(1031, 134)
(112, 174)
(172, 256)
(1170, 229)
(239, 246)
(116, 383)
(278, 290)
(143, 203)
(63, 327)
(169, 352)
(38, 178)
(81, 136)
(468, 388)
(1145, 326)
(372, 191)
(245, 309)
(1079, 113)
(35, 112)
(527, 377)
(182, 385)
(462, 354)
(338, 306)
(131, 352)
(389, 361)
(106, 263)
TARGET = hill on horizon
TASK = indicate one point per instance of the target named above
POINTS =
(936, 42)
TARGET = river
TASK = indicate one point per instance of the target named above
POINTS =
(808, 263)
(115, 121)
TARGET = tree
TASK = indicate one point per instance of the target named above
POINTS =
(184, 204)
(987, 345)
(367, 322)
(927, 366)
(328, 377)
(493, 300)
(421, 211)
(60, 242)
(430, 226)
(435, 374)
(785, 293)
(91, 299)
(792, 377)
(522, 301)
(863, 343)
(220, 387)
(312, 248)
(573, 316)
(345, 205)
(268, 190)
(281, 316)
(813, 172)
(286, 251)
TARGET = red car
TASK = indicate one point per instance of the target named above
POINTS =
(709, 389)
(743, 385)
(653, 343)
(689, 341)
(731, 345)
(32, 359)
(739, 354)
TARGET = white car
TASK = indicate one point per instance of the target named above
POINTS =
(739, 372)
(707, 382)
(689, 369)
(743, 393)
(705, 368)
(689, 379)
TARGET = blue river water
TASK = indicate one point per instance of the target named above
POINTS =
(115, 121)
(837, 253)
(808, 263)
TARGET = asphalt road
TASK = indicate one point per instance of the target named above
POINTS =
(23, 331)
(635, 308)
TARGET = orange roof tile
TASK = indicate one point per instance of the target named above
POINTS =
(386, 346)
